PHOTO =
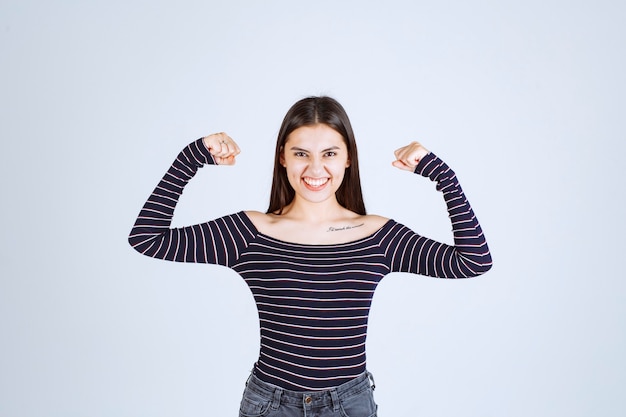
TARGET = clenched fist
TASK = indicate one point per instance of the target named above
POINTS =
(409, 156)
(222, 147)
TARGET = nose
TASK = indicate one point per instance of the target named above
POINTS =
(316, 167)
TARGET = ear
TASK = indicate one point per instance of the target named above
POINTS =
(348, 163)
(281, 157)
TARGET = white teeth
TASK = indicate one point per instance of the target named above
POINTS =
(316, 182)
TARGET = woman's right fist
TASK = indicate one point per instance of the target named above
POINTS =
(222, 147)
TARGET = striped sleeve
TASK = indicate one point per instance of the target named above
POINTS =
(406, 251)
(218, 242)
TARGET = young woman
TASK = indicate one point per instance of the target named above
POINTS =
(314, 259)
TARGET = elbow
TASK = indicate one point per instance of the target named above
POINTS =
(147, 244)
(136, 242)
(484, 268)
(132, 241)
(477, 267)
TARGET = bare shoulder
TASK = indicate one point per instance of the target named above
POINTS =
(265, 223)
(374, 221)
(259, 219)
(255, 215)
(270, 224)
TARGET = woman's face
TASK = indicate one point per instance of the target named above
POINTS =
(316, 158)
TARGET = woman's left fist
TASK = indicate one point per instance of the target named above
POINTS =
(409, 156)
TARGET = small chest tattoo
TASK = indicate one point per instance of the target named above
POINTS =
(339, 229)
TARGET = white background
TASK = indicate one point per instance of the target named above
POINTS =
(523, 99)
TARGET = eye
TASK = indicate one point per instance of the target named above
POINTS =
(299, 154)
(330, 154)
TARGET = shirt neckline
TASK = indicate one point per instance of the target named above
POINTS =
(256, 232)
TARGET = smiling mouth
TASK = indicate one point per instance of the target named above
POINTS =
(315, 182)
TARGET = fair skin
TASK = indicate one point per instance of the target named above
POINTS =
(315, 158)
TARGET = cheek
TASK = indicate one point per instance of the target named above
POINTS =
(340, 169)
(293, 174)
(343, 175)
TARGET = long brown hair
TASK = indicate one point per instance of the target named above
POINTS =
(308, 112)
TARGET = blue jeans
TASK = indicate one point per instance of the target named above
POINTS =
(353, 399)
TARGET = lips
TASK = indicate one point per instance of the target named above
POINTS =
(315, 183)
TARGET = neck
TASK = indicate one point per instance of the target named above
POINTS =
(314, 212)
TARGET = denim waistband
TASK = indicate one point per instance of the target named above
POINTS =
(311, 399)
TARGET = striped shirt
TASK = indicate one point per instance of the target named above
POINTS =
(313, 300)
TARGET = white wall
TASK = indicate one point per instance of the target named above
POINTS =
(525, 100)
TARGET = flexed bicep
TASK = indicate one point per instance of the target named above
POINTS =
(218, 241)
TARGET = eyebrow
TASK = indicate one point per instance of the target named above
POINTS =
(332, 148)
